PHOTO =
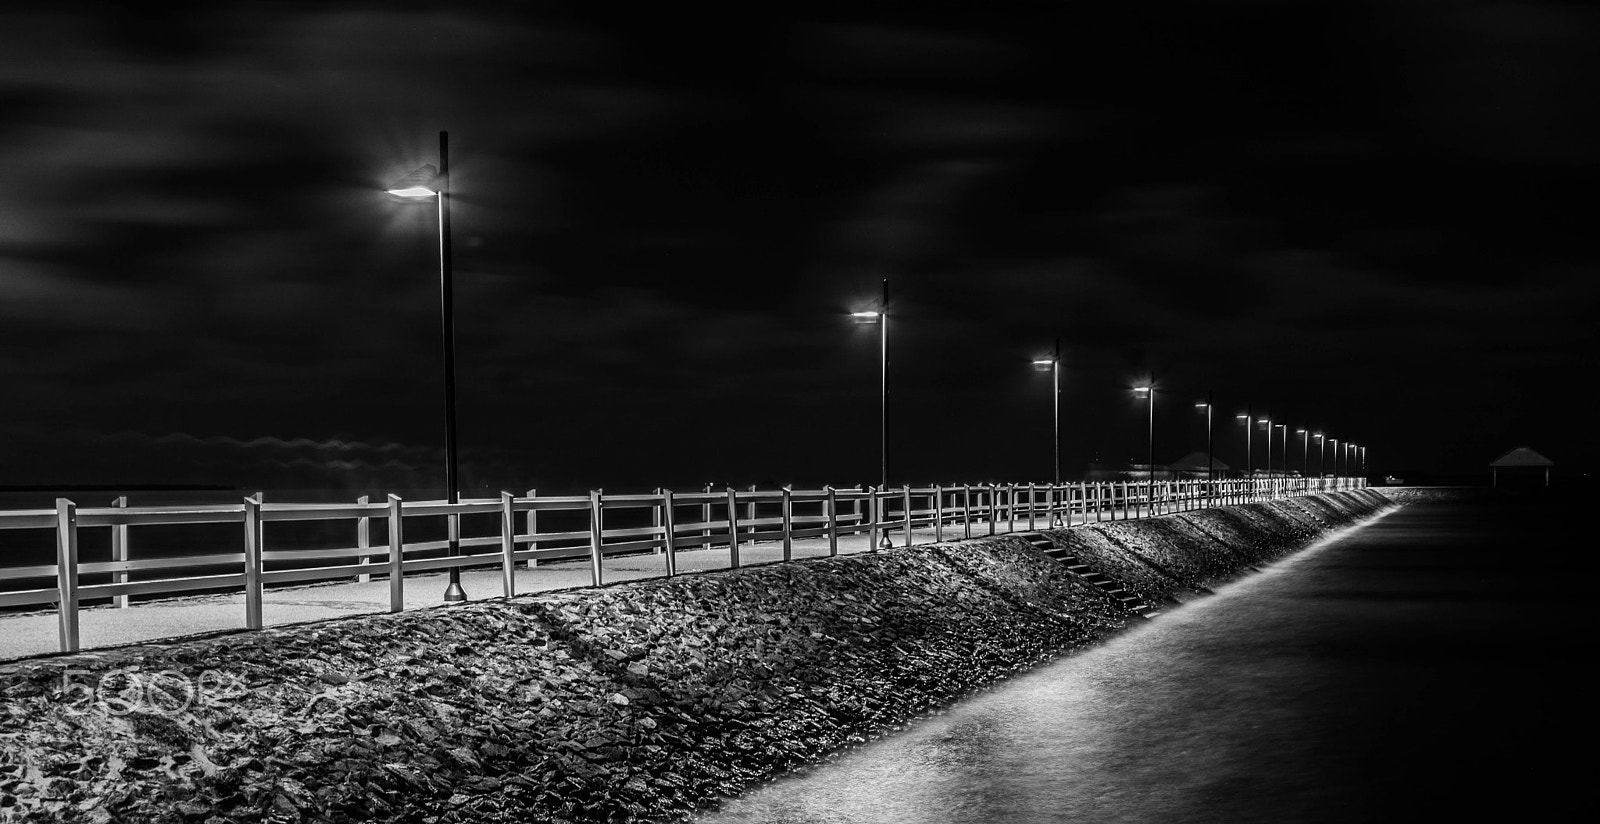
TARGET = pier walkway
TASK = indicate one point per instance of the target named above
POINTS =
(101, 625)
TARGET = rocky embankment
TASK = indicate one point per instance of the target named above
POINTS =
(639, 701)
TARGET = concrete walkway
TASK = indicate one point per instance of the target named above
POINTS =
(36, 633)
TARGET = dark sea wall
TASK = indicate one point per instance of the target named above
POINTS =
(638, 701)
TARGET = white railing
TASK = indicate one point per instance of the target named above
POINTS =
(706, 519)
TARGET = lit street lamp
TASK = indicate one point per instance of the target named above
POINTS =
(427, 184)
(1211, 461)
(1266, 426)
(1322, 456)
(1052, 365)
(1249, 453)
(1305, 451)
(881, 317)
(1149, 391)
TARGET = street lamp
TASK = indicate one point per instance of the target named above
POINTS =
(1266, 426)
(1149, 391)
(1052, 365)
(1211, 461)
(881, 317)
(1322, 456)
(428, 184)
(1335, 442)
(1305, 451)
(1249, 453)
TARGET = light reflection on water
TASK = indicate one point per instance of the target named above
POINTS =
(1335, 686)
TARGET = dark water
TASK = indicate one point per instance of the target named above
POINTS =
(1428, 666)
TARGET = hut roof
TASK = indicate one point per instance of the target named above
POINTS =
(1522, 456)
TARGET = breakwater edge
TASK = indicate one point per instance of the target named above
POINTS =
(633, 702)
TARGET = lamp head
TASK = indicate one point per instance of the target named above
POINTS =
(1044, 364)
(418, 184)
(865, 317)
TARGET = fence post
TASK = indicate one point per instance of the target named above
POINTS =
(750, 511)
(705, 518)
(67, 573)
(832, 505)
(533, 529)
(397, 549)
(1031, 507)
(966, 510)
(788, 522)
(938, 514)
(364, 540)
(655, 517)
(733, 528)
(905, 504)
(508, 543)
(119, 553)
(669, 532)
(992, 510)
(596, 537)
(252, 563)
(872, 516)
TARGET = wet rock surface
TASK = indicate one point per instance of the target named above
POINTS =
(637, 702)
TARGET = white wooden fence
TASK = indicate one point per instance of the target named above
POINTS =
(700, 520)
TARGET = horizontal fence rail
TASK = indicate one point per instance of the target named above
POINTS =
(529, 529)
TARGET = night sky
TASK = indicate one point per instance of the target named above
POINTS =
(1370, 219)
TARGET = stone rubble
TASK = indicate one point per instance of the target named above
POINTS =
(643, 701)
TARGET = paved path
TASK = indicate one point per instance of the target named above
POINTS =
(35, 633)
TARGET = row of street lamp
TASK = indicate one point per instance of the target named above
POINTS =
(430, 184)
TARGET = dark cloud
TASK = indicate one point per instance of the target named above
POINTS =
(1361, 215)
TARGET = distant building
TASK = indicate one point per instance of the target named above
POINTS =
(1521, 467)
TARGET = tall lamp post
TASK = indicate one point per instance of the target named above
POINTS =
(1266, 426)
(426, 183)
(1249, 453)
(1052, 365)
(1149, 391)
(1322, 455)
(1305, 451)
(1335, 456)
(1211, 460)
(881, 317)
(1284, 439)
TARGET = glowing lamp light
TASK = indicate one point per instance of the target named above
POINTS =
(1142, 390)
(417, 184)
(864, 317)
(1044, 365)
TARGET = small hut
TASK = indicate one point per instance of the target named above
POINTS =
(1520, 465)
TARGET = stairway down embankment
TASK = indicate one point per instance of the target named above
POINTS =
(638, 701)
